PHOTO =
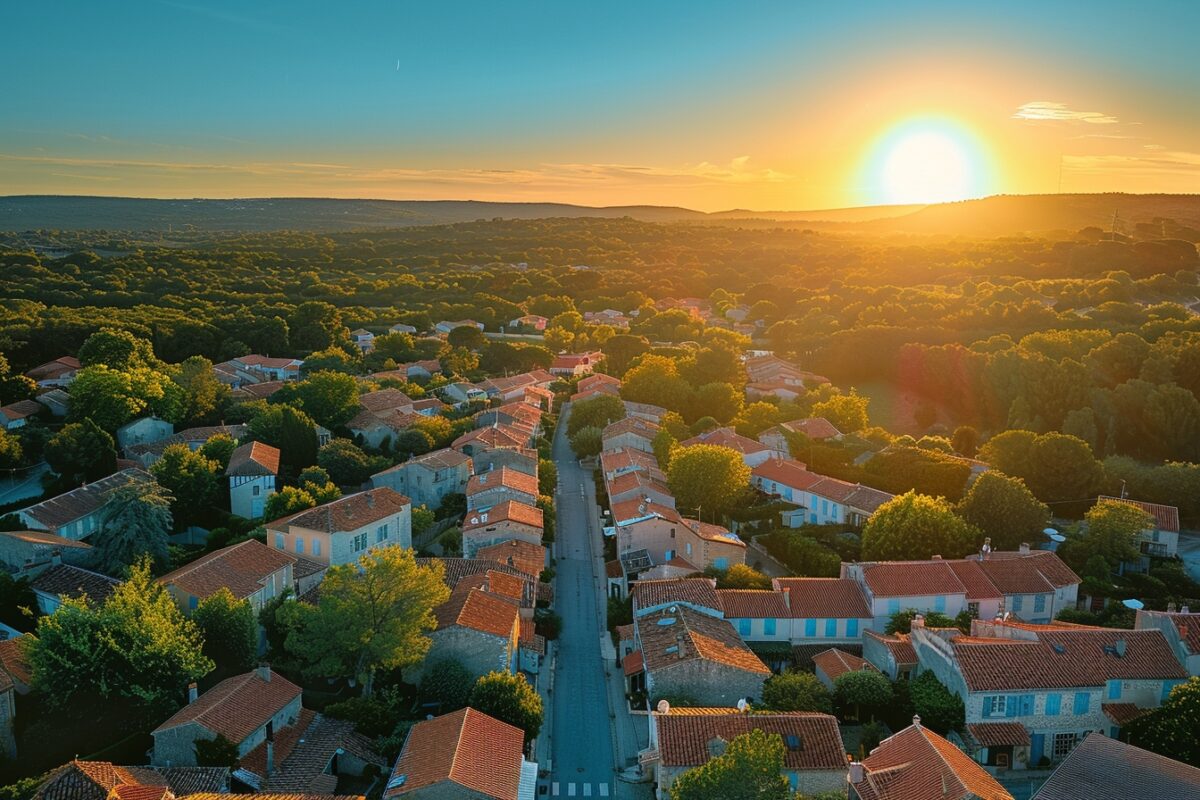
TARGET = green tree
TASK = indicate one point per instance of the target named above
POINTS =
(587, 442)
(916, 526)
(135, 523)
(117, 349)
(941, 710)
(796, 691)
(1170, 729)
(751, 768)
(742, 576)
(329, 398)
(1112, 530)
(14, 387)
(847, 412)
(216, 752)
(707, 477)
(422, 520)
(901, 621)
(862, 689)
(204, 397)
(1055, 466)
(459, 362)
(136, 647)
(547, 476)
(315, 326)
(664, 444)
(721, 401)
(346, 463)
(289, 429)
(1004, 509)
(595, 412)
(219, 448)
(509, 698)
(656, 380)
(111, 398)
(756, 418)
(334, 359)
(372, 615)
(447, 683)
(965, 441)
(81, 451)
(229, 630)
(191, 479)
(286, 501)
(466, 336)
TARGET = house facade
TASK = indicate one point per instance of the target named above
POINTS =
(252, 472)
(77, 514)
(429, 478)
(492, 488)
(342, 531)
(250, 570)
(507, 521)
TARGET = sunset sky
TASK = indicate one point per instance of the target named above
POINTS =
(792, 105)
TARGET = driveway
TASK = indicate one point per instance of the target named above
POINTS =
(581, 729)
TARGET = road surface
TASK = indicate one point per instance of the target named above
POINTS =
(581, 738)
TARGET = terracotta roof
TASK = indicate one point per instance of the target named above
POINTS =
(1188, 626)
(633, 663)
(385, 400)
(1100, 768)
(21, 409)
(911, 578)
(479, 610)
(44, 538)
(1065, 658)
(683, 738)
(1122, 713)
(524, 556)
(669, 639)
(94, 780)
(13, 660)
(87, 499)
(613, 569)
(917, 764)
(303, 768)
(242, 568)
(999, 734)
(237, 706)
(467, 747)
(347, 513)
(498, 435)
(626, 458)
(823, 598)
(726, 437)
(254, 458)
(457, 570)
(1014, 576)
(256, 360)
(753, 604)
(597, 379)
(503, 477)
(636, 480)
(435, 460)
(508, 511)
(900, 645)
(627, 512)
(867, 499)
(787, 472)
(394, 419)
(286, 739)
(697, 591)
(274, 796)
(813, 427)
(66, 580)
(258, 391)
(978, 583)
(1166, 518)
(635, 425)
(834, 662)
(54, 369)
(625, 633)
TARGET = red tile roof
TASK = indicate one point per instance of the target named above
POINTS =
(68, 580)
(347, 513)
(1123, 713)
(503, 477)
(813, 427)
(597, 379)
(626, 511)
(238, 706)
(917, 764)
(633, 663)
(508, 511)
(13, 660)
(787, 472)
(20, 409)
(1100, 768)
(726, 437)
(669, 639)
(683, 738)
(697, 591)
(834, 662)
(385, 400)
(467, 747)
(254, 458)
(823, 598)
(68, 507)
(911, 578)
(479, 610)
(636, 480)
(713, 533)
(626, 458)
(1166, 518)
(900, 645)
(975, 579)
(635, 425)
(54, 369)
(241, 568)
(753, 604)
(999, 734)
(527, 557)
(498, 435)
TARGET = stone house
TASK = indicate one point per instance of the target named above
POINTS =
(1182, 631)
(252, 472)
(250, 570)
(342, 531)
(476, 627)
(527, 558)
(686, 652)
(814, 760)
(1031, 692)
(639, 485)
(143, 431)
(488, 489)
(816, 428)
(379, 428)
(521, 459)
(892, 654)
(102, 780)
(508, 521)
(149, 452)
(664, 534)
(247, 709)
(26, 553)
(816, 611)
(1103, 767)
(621, 460)
(495, 436)
(632, 432)
(76, 514)
(427, 479)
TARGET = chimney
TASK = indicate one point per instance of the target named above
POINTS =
(856, 772)
(1024, 548)
(916, 720)
(1184, 609)
(193, 692)
(1171, 607)
(370, 500)
(918, 621)
(986, 550)
(264, 672)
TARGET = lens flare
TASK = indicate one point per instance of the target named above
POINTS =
(927, 160)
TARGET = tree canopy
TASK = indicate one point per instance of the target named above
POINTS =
(915, 526)
(750, 768)
(708, 478)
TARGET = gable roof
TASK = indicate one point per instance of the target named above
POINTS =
(671, 638)
(347, 513)
(899, 644)
(54, 369)
(753, 604)
(834, 662)
(44, 538)
(785, 471)
(238, 706)
(626, 458)
(241, 568)
(466, 747)
(636, 509)
(726, 437)
(683, 738)
(637, 480)
(527, 557)
(20, 409)
(637, 426)
(495, 435)
(697, 591)
(95, 780)
(917, 764)
(87, 499)
(504, 477)
(254, 458)
(484, 611)
(13, 660)
(434, 460)
(384, 400)
(911, 578)
(314, 745)
(823, 598)
(713, 533)
(188, 436)
(1100, 768)
(1166, 518)
(508, 511)
(67, 580)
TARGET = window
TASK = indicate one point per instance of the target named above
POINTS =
(721, 563)
(851, 628)
(939, 604)
(1053, 703)
(299, 545)
(769, 626)
(830, 628)
(1017, 602)
(810, 627)
(689, 548)
(995, 705)
(279, 543)
(360, 543)
(256, 490)
(973, 610)
(381, 533)
(1114, 690)
(316, 547)
(893, 607)
(1083, 702)
(1064, 743)
(1039, 603)
(744, 627)
(672, 533)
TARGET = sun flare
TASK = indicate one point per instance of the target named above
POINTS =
(927, 161)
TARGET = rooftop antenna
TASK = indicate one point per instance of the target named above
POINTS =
(1113, 235)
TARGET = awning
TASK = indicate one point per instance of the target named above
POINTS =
(633, 663)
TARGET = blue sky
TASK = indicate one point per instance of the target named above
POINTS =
(704, 104)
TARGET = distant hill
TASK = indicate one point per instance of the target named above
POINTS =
(991, 216)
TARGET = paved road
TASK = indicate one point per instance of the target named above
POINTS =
(581, 738)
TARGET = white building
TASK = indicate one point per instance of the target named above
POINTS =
(252, 472)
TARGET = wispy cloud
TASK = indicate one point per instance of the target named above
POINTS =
(1043, 111)
(1152, 163)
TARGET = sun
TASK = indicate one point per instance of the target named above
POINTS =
(926, 160)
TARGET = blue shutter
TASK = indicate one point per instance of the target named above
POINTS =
(1017, 602)
(939, 604)
(810, 627)
(1039, 603)
(1026, 705)
(893, 607)
(1083, 701)
(831, 628)
(987, 706)
(744, 627)
(1114, 690)
(851, 628)
(769, 626)
(1011, 706)
(1053, 702)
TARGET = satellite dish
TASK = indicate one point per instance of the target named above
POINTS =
(1051, 532)
(1136, 605)
(663, 707)
(1057, 537)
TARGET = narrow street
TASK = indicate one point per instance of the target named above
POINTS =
(581, 738)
